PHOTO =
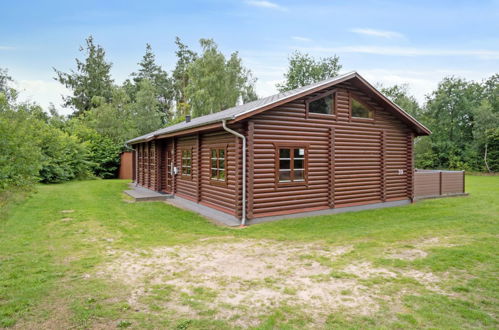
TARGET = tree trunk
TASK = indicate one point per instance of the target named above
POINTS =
(485, 157)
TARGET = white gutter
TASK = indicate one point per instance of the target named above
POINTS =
(243, 138)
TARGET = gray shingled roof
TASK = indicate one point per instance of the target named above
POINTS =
(234, 112)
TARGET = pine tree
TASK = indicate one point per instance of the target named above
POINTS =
(92, 78)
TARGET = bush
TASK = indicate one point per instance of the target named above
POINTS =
(64, 157)
(103, 153)
(20, 158)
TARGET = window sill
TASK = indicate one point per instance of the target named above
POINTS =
(321, 115)
(292, 184)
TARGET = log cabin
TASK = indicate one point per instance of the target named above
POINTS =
(338, 143)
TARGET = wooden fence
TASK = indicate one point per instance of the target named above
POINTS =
(436, 183)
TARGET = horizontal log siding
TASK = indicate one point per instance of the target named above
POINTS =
(358, 157)
(221, 197)
(186, 186)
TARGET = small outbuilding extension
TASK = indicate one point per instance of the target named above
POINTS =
(332, 145)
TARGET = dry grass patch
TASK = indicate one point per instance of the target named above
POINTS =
(242, 280)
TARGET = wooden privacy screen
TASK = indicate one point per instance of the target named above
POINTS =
(434, 183)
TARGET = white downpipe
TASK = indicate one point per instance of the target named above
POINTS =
(243, 138)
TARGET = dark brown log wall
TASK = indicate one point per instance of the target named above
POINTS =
(359, 159)
(186, 185)
(219, 195)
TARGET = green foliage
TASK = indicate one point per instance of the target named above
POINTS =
(64, 157)
(399, 94)
(91, 79)
(159, 84)
(35, 150)
(103, 153)
(146, 112)
(180, 76)
(460, 115)
(304, 70)
(216, 83)
(493, 149)
(20, 159)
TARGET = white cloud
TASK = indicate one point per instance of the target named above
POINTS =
(378, 33)
(407, 51)
(6, 48)
(298, 38)
(265, 4)
(43, 92)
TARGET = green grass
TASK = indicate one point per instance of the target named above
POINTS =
(44, 260)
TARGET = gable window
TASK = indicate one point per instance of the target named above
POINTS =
(359, 110)
(291, 164)
(218, 164)
(186, 162)
(324, 105)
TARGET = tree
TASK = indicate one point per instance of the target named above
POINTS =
(158, 79)
(145, 113)
(399, 94)
(9, 93)
(485, 121)
(449, 113)
(114, 119)
(91, 79)
(304, 70)
(491, 92)
(215, 83)
(180, 75)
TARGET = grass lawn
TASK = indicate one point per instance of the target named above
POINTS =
(77, 255)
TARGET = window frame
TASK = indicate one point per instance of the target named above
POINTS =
(277, 147)
(352, 97)
(182, 175)
(332, 115)
(217, 181)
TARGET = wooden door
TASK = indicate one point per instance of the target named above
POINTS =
(166, 168)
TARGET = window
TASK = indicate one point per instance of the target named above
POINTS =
(291, 164)
(186, 162)
(324, 105)
(217, 161)
(361, 111)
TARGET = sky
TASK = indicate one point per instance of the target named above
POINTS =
(388, 42)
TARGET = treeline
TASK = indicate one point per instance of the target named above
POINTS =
(43, 146)
(464, 119)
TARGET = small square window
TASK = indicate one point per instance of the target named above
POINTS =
(292, 165)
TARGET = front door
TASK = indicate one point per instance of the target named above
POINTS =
(166, 168)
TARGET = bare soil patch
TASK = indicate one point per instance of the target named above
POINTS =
(242, 280)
